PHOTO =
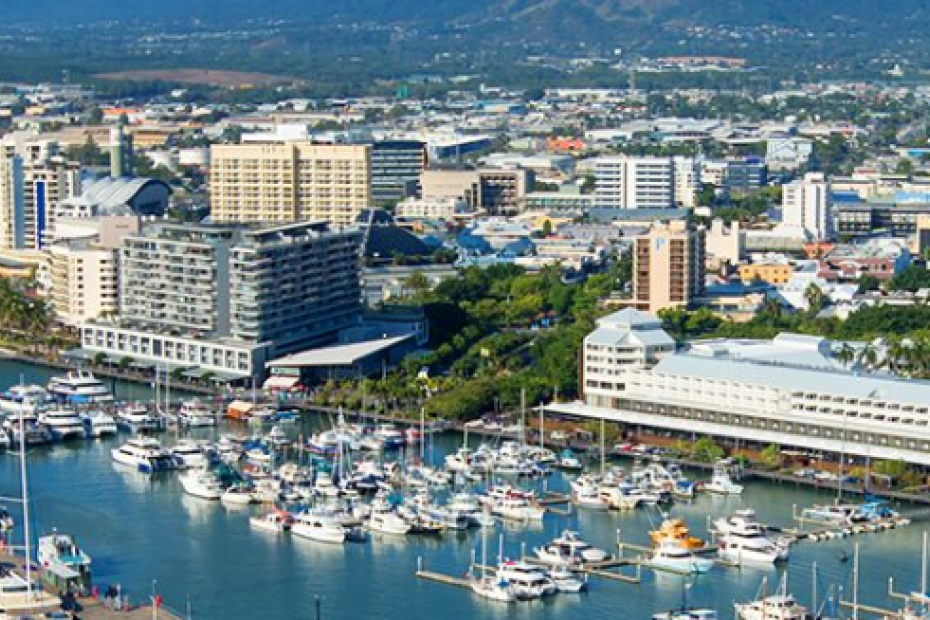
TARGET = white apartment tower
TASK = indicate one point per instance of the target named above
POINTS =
(628, 182)
(11, 202)
(807, 209)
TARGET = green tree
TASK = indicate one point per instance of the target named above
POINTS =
(706, 449)
(771, 456)
(417, 283)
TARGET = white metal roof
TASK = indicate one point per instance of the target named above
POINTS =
(338, 355)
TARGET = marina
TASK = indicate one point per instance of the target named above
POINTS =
(186, 546)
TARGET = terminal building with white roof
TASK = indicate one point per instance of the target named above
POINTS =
(790, 391)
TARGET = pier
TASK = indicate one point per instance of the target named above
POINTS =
(89, 608)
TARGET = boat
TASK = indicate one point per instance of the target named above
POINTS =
(99, 424)
(191, 453)
(201, 483)
(743, 520)
(675, 530)
(586, 493)
(721, 482)
(276, 522)
(570, 548)
(776, 607)
(144, 454)
(4, 440)
(239, 494)
(277, 438)
(751, 547)
(195, 414)
(319, 526)
(63, 424)
(391, 437)
(24, 398)
(6, 520)
(844, 515)
(136, 418)
(79, 386)
(526, 581)
(57, 550)
(35, 434)
(569, 462)
(674, 555)
(494, 588)
(687, 614)
(21, 597)
(385, 519)
(565, 580)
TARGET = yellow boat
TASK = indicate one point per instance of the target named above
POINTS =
(675, 530)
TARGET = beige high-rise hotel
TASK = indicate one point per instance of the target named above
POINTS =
(290, 182)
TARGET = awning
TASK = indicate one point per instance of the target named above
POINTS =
(280, 382)
(62, 571)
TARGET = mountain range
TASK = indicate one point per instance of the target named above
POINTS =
(553, 18)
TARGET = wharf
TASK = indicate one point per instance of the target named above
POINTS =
(91, 608)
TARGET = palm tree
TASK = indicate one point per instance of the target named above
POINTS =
(814, 297)
(868, 356)
(846, 355)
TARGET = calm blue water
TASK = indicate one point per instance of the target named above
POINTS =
(141, 529)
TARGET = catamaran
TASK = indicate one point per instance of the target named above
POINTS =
(80, 386)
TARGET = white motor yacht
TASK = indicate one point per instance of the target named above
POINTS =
(319, 526)
(201, 483)
(98, 424)
(752, 548)
(687, 614)
(135, 418)
(190, 453)
(844, 515)
(672, 554)
(80, 386)
(526, 581)
(195, 414)
(61, 549)
(743, 520)
(721, 482)
(145, 454)
(494, 588)
(585, 493)
(777, 607)
(276, 522)
(24, 398)
(385, 519)
(63, 424)
(570, 548)
(239, 495)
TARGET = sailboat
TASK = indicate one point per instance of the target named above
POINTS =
(491, 586)
(20, 594)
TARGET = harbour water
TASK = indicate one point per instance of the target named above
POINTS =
(144, 533)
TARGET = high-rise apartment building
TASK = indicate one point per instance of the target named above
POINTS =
(34, 179)
(668, 266)
(396, 166)
(12, 203)
(807, 208)
(634, 182)
(295, 181)
(500, 191)
(228, 297)
(84, 281)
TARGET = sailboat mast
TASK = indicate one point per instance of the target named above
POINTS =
(856, 582)
(24, 482)
(523, 415)
(814, 589)
(422, 433)
(923, 567)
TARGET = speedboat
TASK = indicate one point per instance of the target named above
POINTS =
(195, 414)
(526, 581)
(63, 424)
(145, 454)
(565, 580)
(24, 398)
(99, 424)
(80, 386)
(276, 522)
(202, 483)
(135, 418)
(570, 548)
(319, 526)
(674, 555)
(777, 607)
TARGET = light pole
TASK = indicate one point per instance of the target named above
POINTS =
(154, 600)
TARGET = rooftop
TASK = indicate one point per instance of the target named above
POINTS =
(339, 355)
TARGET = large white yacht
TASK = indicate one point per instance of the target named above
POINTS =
(195, 414)
(145, 454)
(99, 424)
(80, 386)
(777, 607)
(24, 398)
(63, 424)
(202, 483)
(319, 526)
(136, 418)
